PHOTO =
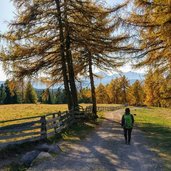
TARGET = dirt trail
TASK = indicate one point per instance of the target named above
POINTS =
(104, 150)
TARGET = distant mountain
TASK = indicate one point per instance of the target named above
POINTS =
(103, 78)
(36, 85)
(134, 75)
(2, 82)
(39, 85)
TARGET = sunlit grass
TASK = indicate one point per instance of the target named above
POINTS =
(9, 112)
(16, 111)
(156, 123)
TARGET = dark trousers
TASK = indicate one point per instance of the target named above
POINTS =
(127, 134)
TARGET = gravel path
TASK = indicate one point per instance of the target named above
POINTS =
(104, 150)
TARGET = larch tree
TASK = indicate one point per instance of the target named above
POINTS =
(124, 84)
(113, 90)
(117, 90)
(37, 43)
(85, 95)
(152, 20)
(96, 42)
(166, 92)
(47, 36)
(136, 94)
(157, 89)
(101, 93)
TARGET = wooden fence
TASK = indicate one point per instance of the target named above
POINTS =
(88, 109)
(36, 128)
(29, 129)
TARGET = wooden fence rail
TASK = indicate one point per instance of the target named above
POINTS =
(23, 130)
(88, 109)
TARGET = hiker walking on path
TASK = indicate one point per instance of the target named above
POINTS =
(103, 150)
(127, 123)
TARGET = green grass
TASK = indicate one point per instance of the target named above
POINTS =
(78, 131)
(156, 123)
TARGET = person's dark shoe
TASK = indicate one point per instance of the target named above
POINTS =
(129, 143)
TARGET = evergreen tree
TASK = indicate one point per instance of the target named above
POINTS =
(9, 92)
(13, 94)
(46, 97)
(61, 96)
(17, 97)
(2, 94)
(30, 94)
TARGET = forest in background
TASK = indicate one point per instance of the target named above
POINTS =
(153, 91)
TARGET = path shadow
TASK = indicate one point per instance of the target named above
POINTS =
(104, 150)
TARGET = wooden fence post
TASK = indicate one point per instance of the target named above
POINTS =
(58, 125)
(59, 114)
(43, 127)
(54, 123)
(73, 119)
(67, 119)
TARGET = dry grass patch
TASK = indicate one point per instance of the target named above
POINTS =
(16, 111)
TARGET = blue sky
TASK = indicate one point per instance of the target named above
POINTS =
(8, 12)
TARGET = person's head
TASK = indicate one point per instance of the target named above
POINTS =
(127, 111)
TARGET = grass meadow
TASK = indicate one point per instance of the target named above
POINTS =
(17, 111)
(156, 123)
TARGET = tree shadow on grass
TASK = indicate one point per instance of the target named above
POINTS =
(160, 141)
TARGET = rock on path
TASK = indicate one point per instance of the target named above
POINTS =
(104, 150)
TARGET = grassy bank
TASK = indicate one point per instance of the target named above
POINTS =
(156, 123)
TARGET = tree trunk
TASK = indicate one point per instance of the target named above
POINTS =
(63, 59)
(93, 92)
(125, 96)
(70, 61)
(22, 91)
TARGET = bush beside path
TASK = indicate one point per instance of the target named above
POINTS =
(104, 150)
